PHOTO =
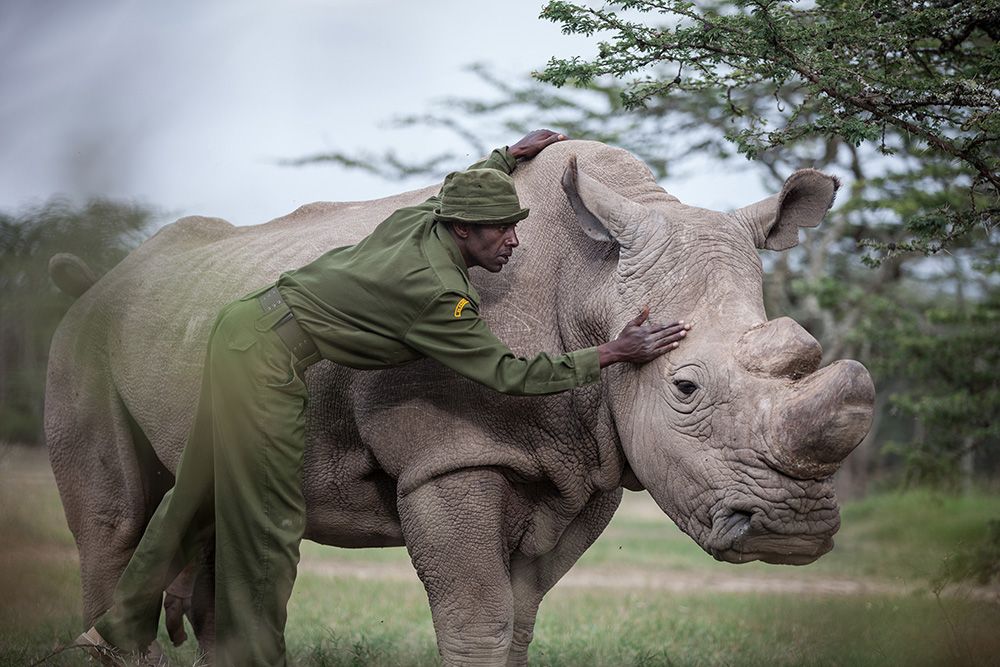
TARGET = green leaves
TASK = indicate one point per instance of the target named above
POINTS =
(916, 79)
(945, 369)
(978, 560)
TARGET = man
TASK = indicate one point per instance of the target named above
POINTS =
(400, 294)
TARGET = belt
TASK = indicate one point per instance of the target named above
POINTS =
(288, 329)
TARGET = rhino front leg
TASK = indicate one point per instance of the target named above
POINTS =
(177, 603)
(453, 527)
(192, 594)
(533, 577)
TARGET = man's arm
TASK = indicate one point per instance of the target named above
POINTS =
(451, 331)
(505, 159)
(639, 344)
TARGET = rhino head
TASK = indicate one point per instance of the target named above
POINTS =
(737, 433)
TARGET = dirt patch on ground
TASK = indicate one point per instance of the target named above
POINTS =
(671, 582)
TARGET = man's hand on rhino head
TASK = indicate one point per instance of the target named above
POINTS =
(533, 143)
(639, 344)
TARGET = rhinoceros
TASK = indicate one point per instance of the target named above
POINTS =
(736, 434)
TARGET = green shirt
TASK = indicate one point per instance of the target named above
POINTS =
(403, 293)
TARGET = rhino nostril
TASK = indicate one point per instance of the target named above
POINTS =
(736, 525)
(730, 531)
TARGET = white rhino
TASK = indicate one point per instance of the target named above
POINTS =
(735, 434)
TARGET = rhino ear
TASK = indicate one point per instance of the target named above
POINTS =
(803, 202)
(603, 214)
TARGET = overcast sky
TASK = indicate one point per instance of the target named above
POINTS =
(189, 106)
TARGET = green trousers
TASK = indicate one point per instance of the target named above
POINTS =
(238, 479)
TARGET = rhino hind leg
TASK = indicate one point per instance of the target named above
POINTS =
(177, 604)
(109, 480)
(192, 592)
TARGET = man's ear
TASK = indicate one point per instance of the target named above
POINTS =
(460, 229)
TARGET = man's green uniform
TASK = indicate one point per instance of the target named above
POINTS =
(400, 294)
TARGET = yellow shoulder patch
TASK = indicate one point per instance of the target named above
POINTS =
(462, 303)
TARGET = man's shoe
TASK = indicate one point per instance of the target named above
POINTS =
(98, 649)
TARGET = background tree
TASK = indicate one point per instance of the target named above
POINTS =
(101, 233)
(919, 79)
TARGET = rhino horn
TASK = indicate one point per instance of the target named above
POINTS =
(603, 214)
(803, 202)
(828, 415)
(779, 348)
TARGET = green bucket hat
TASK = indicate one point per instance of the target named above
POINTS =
(479, 197)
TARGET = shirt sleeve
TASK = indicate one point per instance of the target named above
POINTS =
(500, 159)
(451, 331)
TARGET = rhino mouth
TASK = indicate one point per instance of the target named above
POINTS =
(736, 538)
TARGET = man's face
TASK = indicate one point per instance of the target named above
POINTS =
(490, 246)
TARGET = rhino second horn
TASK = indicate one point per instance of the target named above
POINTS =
(828, 415)
(779, 348)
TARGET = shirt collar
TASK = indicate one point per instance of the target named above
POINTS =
(450, 247)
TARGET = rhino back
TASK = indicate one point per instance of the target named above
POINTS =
(154, 311)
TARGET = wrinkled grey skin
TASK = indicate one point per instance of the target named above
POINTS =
(735, 434)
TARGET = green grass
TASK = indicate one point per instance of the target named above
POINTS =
(907, 535)
(644, 628)
(336, 619)
(345, 622)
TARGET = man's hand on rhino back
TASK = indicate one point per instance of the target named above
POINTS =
(640, 344)
(533, 143)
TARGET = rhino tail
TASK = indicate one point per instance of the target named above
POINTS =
(71, 274)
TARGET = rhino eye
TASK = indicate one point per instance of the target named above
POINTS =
(685, 386)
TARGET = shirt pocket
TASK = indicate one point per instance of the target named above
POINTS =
(235, 326)
(285, 378)
(240, 339)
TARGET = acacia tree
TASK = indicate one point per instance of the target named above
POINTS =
(918, 79)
